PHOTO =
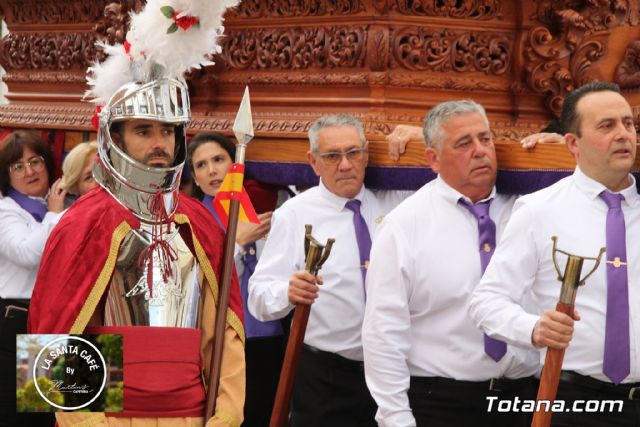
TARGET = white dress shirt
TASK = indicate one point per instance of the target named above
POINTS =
(424, 264)
(336, 315)
(22, 241)
(572, 211)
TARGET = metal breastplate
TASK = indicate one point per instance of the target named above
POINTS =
(172, 303)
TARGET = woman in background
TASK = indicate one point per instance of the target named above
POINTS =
(210, 157)
(77, 176)
(30, 207)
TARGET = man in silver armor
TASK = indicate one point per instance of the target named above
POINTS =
(135, 257)
(163, 258)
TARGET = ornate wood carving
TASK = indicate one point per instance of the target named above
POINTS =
(49, 51)
(51, 116)
(55, 11)
(419, 48)
(466, 9)
(43, 77)
(387, 61)
(559, 55)
(628, 71)
(289, 77)
(112, 26)
(288, 8)
(378, 48)
(295, 48)
(447, 82)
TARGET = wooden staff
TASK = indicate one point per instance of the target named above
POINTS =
(243, 129)
(314, 259)
(550, 376)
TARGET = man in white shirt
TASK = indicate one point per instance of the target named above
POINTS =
(597, 206)
(426, 364)
(330, 388)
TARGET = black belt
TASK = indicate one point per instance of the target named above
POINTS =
(494, 384)
(11, 307)
(333, 359)
(630, 390)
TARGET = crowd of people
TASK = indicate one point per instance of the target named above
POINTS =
(430, 305)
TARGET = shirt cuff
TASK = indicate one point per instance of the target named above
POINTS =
(524, 328)
(398, 419)
(238, 251)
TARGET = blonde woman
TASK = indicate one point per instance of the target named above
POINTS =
(77, 178)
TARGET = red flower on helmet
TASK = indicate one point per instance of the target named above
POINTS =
(186, 21)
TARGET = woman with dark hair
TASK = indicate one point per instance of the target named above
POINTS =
(30, 207)
(210, 156)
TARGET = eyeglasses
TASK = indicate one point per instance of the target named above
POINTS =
(35, 163)
(334, 157)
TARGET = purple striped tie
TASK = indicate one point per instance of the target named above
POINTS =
(616, 364)
(496, 349)
(362, 236)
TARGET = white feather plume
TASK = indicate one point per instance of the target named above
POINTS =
(106, 77)
(176, 52)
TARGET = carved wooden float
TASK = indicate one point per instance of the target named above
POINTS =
(385, 61)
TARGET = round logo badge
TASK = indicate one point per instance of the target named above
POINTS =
(84, 371)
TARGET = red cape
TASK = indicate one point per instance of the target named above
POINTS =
(81, 251)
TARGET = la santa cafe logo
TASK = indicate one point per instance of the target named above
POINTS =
(91, 362)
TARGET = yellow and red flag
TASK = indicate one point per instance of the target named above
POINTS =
(232, 189)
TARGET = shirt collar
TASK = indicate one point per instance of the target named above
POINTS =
(452, 195)
(335, 201)
(592, 188)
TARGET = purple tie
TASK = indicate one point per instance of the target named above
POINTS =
(496, 349)
(616, 363)
(362, 236)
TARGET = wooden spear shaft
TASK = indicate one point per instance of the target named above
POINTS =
(221, 311)
(243, 130)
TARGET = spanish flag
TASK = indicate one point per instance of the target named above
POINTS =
(232, 189)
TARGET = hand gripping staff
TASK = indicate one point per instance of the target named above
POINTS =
(550, 376)
(316, 255)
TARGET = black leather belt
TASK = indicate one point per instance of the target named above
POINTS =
(333, 359)
(12, 307)
(494, 384)
(630, 390)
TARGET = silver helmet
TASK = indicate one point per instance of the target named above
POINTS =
(132, 183)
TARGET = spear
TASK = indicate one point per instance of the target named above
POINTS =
(243, 130)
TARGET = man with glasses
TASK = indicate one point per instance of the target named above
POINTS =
(330, 387)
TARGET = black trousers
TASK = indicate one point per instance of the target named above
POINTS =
(13, 320)
(574, 386)
(264, 361)
(445, 402)
(331, 391)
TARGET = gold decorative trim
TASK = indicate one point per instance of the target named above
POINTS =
(232, 318)
(103, 279)
(227, 419)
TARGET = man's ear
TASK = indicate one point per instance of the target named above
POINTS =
(432, 158)
(313, 161)
(117, 139)
(572, 144)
